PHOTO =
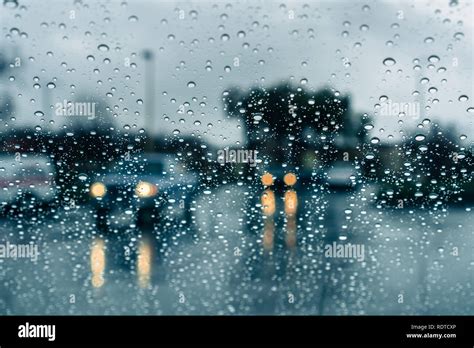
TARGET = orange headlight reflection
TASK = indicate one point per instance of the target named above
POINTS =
(291, 202)
(290, 237)
(144, 264)
(268, 234)
(97, 259)
(268, 202)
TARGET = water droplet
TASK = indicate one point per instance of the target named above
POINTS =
(133, 18)
(463, 98)
(139, 101)
(389, 61)
(191, 84)
(39, 113)
(51, 85)
(82, 177)
(10, 3)
(423, 148)
(103, 47)
(458, 36)
(433, 59)
(225, 37)
(424, 80)
(420, 137)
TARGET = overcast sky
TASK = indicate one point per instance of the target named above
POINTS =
(279, 40)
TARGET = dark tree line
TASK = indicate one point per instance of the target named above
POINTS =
(283, 121)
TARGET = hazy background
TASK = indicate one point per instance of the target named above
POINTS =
(341, 44)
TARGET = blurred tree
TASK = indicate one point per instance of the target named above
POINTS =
(435, 167)
(283, 121)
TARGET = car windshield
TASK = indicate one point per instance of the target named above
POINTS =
(237, 157)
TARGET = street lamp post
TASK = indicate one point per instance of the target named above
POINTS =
(149, 58)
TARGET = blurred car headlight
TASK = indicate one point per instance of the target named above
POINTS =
(145, 189)
(98, 189)
(267, 179)
(289, 179)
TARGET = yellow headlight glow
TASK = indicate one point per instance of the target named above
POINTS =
(267, 179)
(98, 189)
(290, 179)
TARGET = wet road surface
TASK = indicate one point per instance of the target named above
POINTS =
(237, 258)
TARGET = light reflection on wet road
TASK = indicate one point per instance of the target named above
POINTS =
(243, 258)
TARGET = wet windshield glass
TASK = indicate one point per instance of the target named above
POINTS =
(237, 157)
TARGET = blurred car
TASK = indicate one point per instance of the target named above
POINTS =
(141, 192)
(27, 182)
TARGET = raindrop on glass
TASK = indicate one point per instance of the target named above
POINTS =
(389, 61)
